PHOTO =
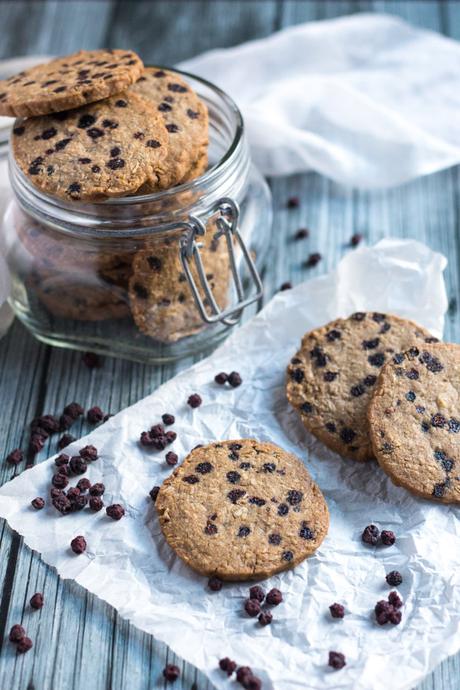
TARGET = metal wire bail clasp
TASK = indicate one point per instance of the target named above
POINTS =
(227, 225)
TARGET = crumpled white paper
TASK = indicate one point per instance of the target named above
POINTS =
(129, 565)
(367, 100)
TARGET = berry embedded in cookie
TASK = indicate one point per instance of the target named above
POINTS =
(414, 421)
(242, 510)
(331, 378)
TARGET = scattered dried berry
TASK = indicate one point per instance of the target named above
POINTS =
(62, 503)
(336, 660)
(395, 600)
(115, 511)
(371, 535)
(235, 379)
(95, 504)
(171, 458)
(337, 610)
(293, 202)
(59, 481)
(15, 457)
(73, 410)
(171, 673)
(265, 618)
(46, 422)
(36, 444)
(168, 419)
(252, 607)
(65, 441)
(37, 601)
(88, 453)
(301, 234)
(78, 544)
(17, 633)
(395, 616)
(194, 400)
(286, 286)
(94, 415)
(170, 436)
(221, 378)
(83, 485)
(97, 489)
(65, 422)
(77, 465)
(38, 503)
(62, 460)
(256, 592)
(227, 665)
(313, 260)
(214, 584)
(274, 597)
(356, 239)
(394, 578)
(24, 645)
(154, 493)
(388, 537)
(91, 360)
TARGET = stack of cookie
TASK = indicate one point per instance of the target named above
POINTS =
(95, 125)
(378, 386)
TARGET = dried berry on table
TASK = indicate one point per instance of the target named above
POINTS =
(336, 660)
(214, 584)
(388, 537)
(65, 441)
(168, 419)
(235, 379)
(78, 545)
(59, 481)
(77, 465)
(62, 504)
(337, 610)
(194, 400)
(154, 493)
(394, 578)
(313, 260)
(24, 645)
(94, 415)
(301, 234)
(221, 378)
(62, 460)
(36, 444)
(15, 457)
(227, 665)
(171, 673)
(265, 618)
(38, 503)
(395, 600)
(73, 410)
(256, 592)
(83, 485)
(37, 601)
(171, 458)
(356, 239)
(95, 504)
(370, 535)
(293, 202)
(252, 607)
(97, 489)
(115, 511)
(89, 453)
(17, 633)
(285, 286)
(274, 597)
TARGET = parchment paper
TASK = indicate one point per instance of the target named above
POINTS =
(129, 565)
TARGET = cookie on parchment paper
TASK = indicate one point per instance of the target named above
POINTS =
(242, 510)
(68, 82)
(185, 117)
(105, 149)
(414, 421)
(331, 378)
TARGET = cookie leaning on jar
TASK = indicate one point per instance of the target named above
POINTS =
(135, 130)
(331, 378)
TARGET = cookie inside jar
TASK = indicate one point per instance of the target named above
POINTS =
(108, 185)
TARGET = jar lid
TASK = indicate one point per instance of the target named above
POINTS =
(7, 69)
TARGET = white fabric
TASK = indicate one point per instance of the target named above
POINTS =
(367, 100)
(129, 564)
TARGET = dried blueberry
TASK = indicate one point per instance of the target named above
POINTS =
(394, 578)
(95, 415)
(37, 601)
(95, 504)
(265, 618)
(395, 600)
(388, 537)
(194, 400)
(89, 453)
(168, 419)
(256, 592)
(283, 509)
(376, 360)
(235, 494)
(115, 511)
(214, 584)
(96, 489)
(24, 645)
(233, 477)
(77, 465)
(170, 672)
(38, 503)
(17, 633)
(312, 260)
(235, 379)
(337, 610)
(371, 535)
(15, 457)
(337, 660)
(78, 544)
(227, 665)
(171, 458)
(274, 597)
(243, 531)
(221, 378)
(252, 607)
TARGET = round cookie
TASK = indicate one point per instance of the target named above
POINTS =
(185, 117)
(331, 378)
(105, 149)
(69, 82)
(414, 421)
(161, 301)
(242, 510)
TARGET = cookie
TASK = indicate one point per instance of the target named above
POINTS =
(185, 117)
(79, 297)
(69, 82)
(105, 149)
(414, 421)
(331, 378)
(242, 510)
(162, 304)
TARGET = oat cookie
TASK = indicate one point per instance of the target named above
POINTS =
(186, 119)
(331, 379)
(69, 82)
(162, 304)
(105, 149)
(414, 421)
(242, 510)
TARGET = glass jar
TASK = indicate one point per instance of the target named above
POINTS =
(153, 277)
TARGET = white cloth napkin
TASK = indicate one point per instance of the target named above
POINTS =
(129, 564)
(367, 100)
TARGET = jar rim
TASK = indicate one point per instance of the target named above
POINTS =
(208, 177)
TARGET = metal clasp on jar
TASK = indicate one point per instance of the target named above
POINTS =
(227, 226)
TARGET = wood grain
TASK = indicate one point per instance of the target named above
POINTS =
(80, 642)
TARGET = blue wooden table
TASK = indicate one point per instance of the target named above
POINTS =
(80, 642)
